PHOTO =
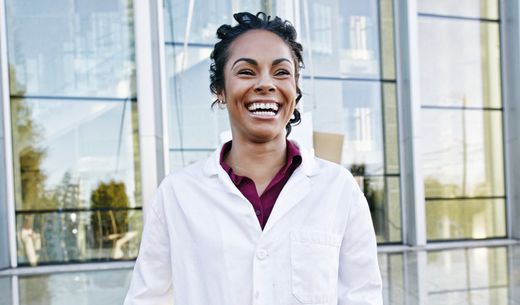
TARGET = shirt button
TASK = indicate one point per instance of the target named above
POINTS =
(258, 212)
(261, 254)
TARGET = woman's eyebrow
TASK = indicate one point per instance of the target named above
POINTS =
(280, 60)
(248, 60)
(255, 63)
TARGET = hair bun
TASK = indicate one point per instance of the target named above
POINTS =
(223, 31)
(246, 18)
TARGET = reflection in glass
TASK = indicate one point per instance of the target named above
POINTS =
(207, 17)
(392, 267)
(483, 276)
(383, 197)
(462, 153)
(81, 288)
(195, 127)
(71, 48)
(64, 148)
(344, 37)
(5, 290)
(387, 39)
(352, 109)
(470, 55)
(465, 219)
(468, 276)
(51, 237)
(391, 129)
(464, 8)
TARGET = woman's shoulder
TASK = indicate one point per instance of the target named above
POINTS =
(334, 171)
(189, 172)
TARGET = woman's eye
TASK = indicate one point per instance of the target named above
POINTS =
(246, 72)
(282, 72)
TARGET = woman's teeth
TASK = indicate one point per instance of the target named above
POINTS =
(267, 109)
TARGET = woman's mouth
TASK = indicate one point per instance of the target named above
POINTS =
(263, 109)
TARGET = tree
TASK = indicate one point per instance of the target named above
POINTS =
(106, 221)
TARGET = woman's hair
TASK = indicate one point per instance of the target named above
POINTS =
(247, 21)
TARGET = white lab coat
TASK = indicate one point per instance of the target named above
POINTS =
(203, 245)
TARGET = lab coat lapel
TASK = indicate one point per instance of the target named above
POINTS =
(295, 190)
(212, 168)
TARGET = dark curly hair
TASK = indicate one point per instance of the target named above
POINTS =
(247, 21)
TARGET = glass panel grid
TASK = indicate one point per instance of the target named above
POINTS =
(488, 9)
(78, 236)
(462, 153)
(461, 119)
(387, 39)
(64, 148)
(207, 17)
(459, 63)
(344, 38)
(71, 49)
(465, 219)
(75, 133)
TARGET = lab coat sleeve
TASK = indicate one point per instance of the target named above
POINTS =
(151, 279)
(359, 275)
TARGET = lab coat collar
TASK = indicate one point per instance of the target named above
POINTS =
(309, 167)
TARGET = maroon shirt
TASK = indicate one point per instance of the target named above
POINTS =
(263, 204)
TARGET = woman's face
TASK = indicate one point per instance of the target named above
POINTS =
(260, 86)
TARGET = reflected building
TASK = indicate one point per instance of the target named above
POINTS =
(101, 99)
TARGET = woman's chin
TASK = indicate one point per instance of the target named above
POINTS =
(264, 136)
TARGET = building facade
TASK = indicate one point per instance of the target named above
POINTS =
(101, 99)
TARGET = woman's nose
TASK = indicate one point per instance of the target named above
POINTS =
(265, 84)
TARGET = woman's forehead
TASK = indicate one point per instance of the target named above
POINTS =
(259, 44)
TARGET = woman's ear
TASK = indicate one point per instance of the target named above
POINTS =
(221, 96)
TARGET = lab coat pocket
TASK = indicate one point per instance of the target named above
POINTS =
(314, 266)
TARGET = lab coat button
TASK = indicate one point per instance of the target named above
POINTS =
(261, 254)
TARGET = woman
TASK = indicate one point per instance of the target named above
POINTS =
(261, 221)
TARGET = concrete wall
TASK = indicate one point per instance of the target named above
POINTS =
(510, 29)
(4, 232)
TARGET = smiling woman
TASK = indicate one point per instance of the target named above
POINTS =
(261, 214)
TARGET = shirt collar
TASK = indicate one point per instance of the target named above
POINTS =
(308, 164)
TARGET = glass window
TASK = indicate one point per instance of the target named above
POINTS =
(103, 233)
(344, 37)
(80, 157)
(462, 153)
(71, 48)
(465, 8)
(459, 63)
(387, 39)
(383, 196)
(461, 118)
(392, 266)
(92, 287)
(65, 148)
(75, 132)
(352, 109)
(465, 219)
(391, 131)
(6, 290)
(469, 276)
(195, 128)
(207, 17)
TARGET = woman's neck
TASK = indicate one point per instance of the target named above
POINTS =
(258, 161)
